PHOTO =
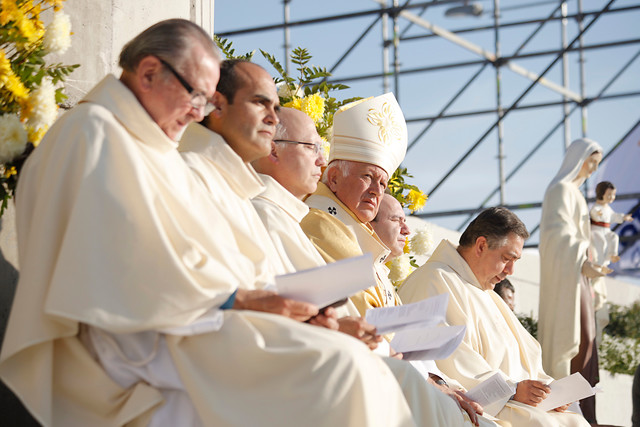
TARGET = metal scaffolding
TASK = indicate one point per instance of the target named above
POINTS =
(400, 23)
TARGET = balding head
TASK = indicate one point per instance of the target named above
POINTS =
(390, 225)
(296, 156)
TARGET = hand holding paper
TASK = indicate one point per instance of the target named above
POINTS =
(567, 390)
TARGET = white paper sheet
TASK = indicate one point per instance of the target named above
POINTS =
(427, 342)
(493, 389)
(566, 390)
(430, 311)
(329, 283)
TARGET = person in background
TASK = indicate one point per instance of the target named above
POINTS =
(507, 292)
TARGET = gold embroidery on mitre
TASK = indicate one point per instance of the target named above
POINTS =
(388, 128)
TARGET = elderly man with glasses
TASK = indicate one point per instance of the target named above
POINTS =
(132, 307)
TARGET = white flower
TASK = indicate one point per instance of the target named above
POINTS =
(399, 268)
(57, 37)
(43, 105)
(13, 137)
(285, 92)
(421, 242)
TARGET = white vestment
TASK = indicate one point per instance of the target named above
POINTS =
(115, 232)
(216, 164)
(281, 213)
(495, 341)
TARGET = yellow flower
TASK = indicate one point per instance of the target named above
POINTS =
(35, 135)
(10, 172)
(313, 106)
(27, 25)
(10, 81)
(7, 10)
(406, 249)
(57, 4)
(294, 103)
(416, 200)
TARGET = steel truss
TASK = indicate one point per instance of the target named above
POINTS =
(391, 15)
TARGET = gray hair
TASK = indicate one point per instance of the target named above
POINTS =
(344, 166)
(281, 132)
(170, 40)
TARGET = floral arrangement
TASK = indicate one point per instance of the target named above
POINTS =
(29, 87)
(419, 244)
(408, 195)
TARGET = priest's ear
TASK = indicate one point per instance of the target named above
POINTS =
(146, 74)
(481, 245)
(274, 156)
(220, 101)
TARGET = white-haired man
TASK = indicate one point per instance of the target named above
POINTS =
(369, 142)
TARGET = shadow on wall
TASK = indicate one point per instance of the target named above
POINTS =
(12, 411)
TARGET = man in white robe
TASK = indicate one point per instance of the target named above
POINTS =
(290, 172)
(130, 271)
(495, 341)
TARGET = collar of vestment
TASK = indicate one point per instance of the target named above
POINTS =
(277, 194)
(113, 95)
(447, 253)
(240, 176)
(324, 199)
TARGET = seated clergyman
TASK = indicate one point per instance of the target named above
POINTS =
(369, 142)
(290, 172)
(495, 341)
(130, 308)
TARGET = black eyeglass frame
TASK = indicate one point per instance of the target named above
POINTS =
(316, 146)
(208, 105)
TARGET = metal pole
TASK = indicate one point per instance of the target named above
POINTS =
(385, 50)
(583, 78)
(396, 53)
(565, 76)
(287, 37)
(500, 129)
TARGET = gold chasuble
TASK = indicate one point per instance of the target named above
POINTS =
(337, 234)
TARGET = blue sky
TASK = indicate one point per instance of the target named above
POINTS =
(425, 94)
